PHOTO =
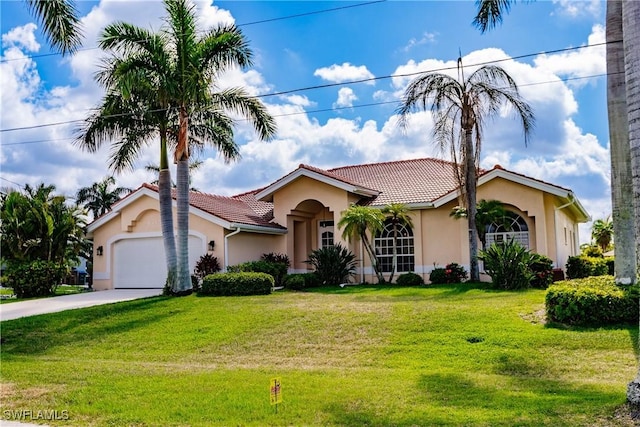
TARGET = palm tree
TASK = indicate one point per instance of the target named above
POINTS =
(99, 197)
(60, 22)
(398, 214)
(487, 213)
(357, 221)
(602, 232)
(460, 107)
(182, 68)
(631, 31)
(38, 225)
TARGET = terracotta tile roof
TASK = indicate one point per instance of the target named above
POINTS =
(403, 181)
(227, 208)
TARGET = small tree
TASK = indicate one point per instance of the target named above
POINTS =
(356, 222)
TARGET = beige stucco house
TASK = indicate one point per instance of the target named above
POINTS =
(299, 212)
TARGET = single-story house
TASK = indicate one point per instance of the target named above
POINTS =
(300, 212)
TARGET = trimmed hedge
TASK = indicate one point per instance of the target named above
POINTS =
(582, 266)
(276, 269)
(237, 284)
(591, 301)
(409, 279)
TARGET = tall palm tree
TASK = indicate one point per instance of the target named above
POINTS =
(357, 221)
(487, 213)
(182, 68)
(631, 30)
(398, 214)
(602, 232)
(61, 25)
(100, 196)
(460, 107)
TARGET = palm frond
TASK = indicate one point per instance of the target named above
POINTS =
(60, 22)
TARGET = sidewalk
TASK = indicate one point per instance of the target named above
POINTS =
(34, 307)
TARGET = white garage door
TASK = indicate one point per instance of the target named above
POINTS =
(140, 263)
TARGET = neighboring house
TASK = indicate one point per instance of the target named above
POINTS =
(299, 212)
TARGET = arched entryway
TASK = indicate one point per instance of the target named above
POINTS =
(313, 227)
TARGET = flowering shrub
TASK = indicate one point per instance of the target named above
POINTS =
(451, 273)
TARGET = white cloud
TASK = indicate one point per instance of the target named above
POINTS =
(21, 37)
(424, 39)
(578, 8)
(345, 98)
(344, 73)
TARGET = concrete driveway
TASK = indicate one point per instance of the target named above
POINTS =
(34, 307)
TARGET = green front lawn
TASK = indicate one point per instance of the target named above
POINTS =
(453, 355)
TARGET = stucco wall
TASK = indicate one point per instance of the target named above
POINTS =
(245, 246)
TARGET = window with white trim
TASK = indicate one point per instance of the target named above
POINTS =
(383, 244)
(511, 227)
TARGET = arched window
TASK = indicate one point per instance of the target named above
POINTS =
(383, 244)
(512, 226)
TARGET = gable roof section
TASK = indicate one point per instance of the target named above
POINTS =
(321, 175)
(566, 195)
(228, 212)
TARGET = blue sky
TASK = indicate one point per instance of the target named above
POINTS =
(379, 39)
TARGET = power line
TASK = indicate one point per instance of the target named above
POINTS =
(324, 110)
(351, 82)
(281, 18)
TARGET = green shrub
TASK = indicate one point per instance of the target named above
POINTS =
(410, 279)
(237, 284)
(275, 269)
(508, 264)
(581, 266)
(451, 273)
(542, 268)
(295, 282)
(34, 278)
(438, 276)
(300, 281)
(591, 301)
(333, 265)
(276, 258)
(206, 265)
(592, 251)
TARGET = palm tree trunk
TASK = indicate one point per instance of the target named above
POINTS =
(183, 282)
(621, 177)
(373, 258)
(631, 32)
(470, 184)
(394, 260)
(183, 285)
(166, 214)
